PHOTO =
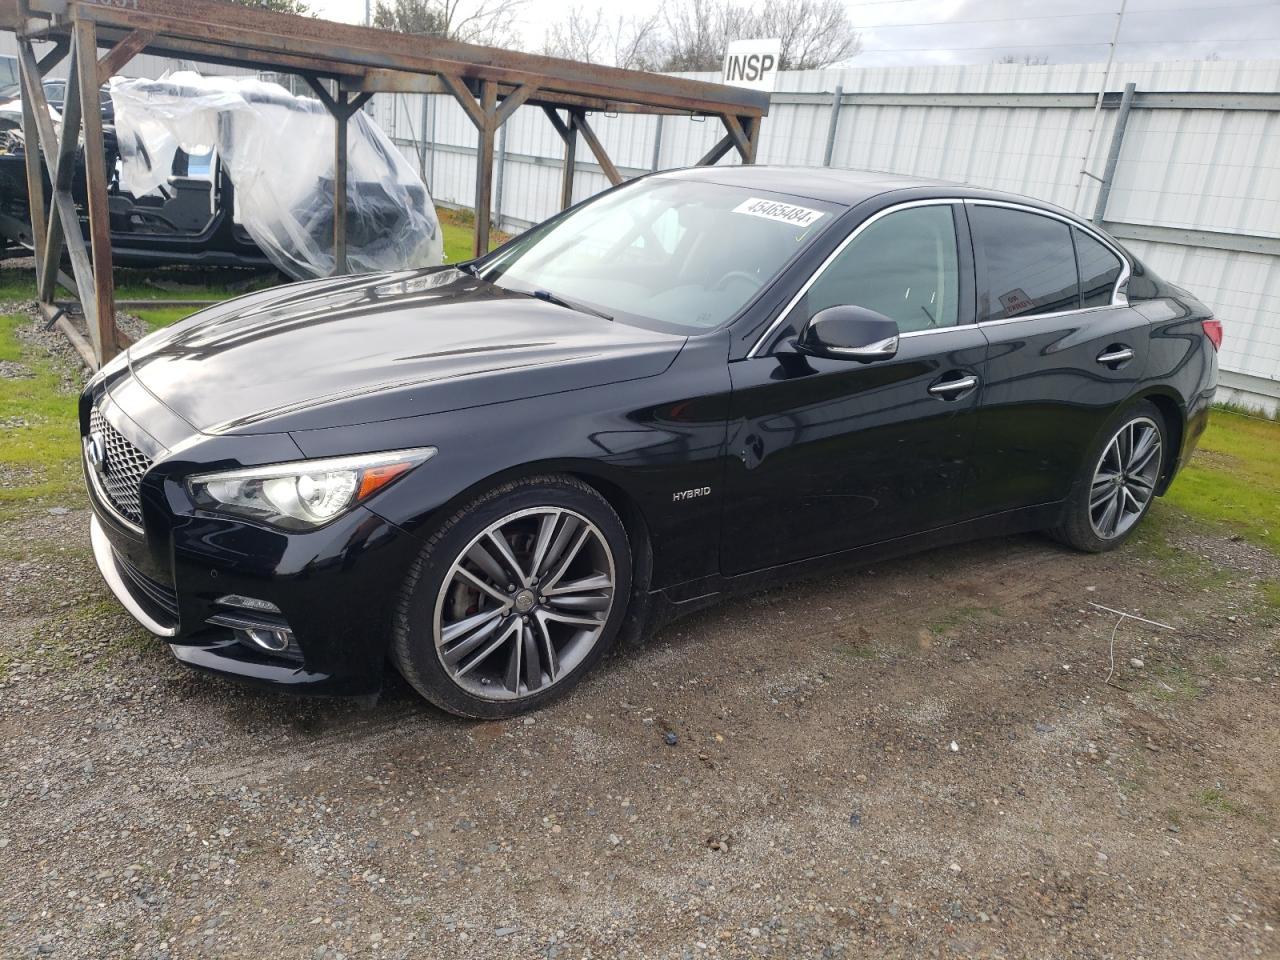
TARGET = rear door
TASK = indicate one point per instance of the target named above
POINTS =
(1065, 351)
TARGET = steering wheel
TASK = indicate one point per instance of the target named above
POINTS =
(751, 278)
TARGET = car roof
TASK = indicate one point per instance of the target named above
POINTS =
(847, 187)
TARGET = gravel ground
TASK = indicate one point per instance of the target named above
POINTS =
(920, 759)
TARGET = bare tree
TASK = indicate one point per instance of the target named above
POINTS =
(814, 33)
(696, 35)
(278, 6)
(488, 22)
(630, 42)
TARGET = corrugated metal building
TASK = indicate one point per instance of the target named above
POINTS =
(1196, 191)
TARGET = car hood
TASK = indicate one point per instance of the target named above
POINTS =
(341, 352)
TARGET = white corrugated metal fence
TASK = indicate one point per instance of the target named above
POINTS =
(1196, 191)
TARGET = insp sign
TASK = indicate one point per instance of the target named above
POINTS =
(753, 64)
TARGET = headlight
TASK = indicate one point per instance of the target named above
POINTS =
(304, 494)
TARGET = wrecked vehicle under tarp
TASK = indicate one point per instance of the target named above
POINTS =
(234, 171)
(186, 221)
(277, 150)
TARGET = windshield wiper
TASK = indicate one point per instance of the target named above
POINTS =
(560, 301)
(468, 267)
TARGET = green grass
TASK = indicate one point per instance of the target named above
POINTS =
(962, 616)
(38, 439)
(1234, 479)
(1215, 800)
(456, 226)
(458, 229)
(1174, 684)
(175, 283)
(164, 316)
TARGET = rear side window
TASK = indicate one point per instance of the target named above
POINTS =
(1099, 270)
(903, 266)
(1029, 263)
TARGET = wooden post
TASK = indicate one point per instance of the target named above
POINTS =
(569, 134)
(741, 139)
(60, 176)
(340, 184)
(36, 205)
(341, 109)
(487, 117)
(723, 146)
(753, 139)
(63, 224)
(484, 167)
(95, 171)
(597, 148)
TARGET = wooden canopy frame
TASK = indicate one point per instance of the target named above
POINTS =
(487, 82)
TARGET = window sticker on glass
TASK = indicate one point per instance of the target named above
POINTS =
(785, 212)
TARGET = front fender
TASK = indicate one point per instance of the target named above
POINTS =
(652, 439)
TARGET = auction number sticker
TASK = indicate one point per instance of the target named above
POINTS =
(784, 212)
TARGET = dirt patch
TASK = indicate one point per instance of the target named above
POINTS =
(920, 759)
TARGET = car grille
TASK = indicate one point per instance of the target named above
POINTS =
(123, 467)
(160, 597)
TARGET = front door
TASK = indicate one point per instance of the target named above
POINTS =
(826, 455)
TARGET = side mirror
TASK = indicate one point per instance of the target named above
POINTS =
(849, 333)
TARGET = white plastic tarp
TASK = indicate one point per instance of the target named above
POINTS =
(278, 153)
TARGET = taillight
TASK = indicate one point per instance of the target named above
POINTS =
(1213, 330)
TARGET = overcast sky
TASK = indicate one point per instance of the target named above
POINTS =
(1065, 32)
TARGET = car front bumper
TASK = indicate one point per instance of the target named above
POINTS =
(335, 589)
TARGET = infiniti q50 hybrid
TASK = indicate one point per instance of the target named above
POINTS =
(695, 383)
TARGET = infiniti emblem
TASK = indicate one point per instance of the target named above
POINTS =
(96, 449)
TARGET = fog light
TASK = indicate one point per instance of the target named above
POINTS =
(273, 641)
(248, 603)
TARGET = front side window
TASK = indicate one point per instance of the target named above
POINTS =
(903, 265)
(1099, 270)
(676, 252)
(1028, 261)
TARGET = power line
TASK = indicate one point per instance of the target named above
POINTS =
(1095, 13)
(1053, 16)
(1090, 43)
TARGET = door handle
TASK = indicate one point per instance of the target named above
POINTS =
(1115, 354)
(950, 389)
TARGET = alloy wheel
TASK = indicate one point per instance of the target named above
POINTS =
(524, 603)
(1125, 478)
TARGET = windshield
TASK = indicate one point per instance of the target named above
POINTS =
(679, 252)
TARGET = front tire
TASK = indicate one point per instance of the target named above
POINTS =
(514, 599)
(1117, 482)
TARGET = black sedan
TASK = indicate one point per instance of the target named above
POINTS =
(696, 383)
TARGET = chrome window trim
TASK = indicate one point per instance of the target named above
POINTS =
(1118, 298)
(1022, 318)
(928, 330)
(822, 267)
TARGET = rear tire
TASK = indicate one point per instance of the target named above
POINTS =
(1117, 481)
(514, 599)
